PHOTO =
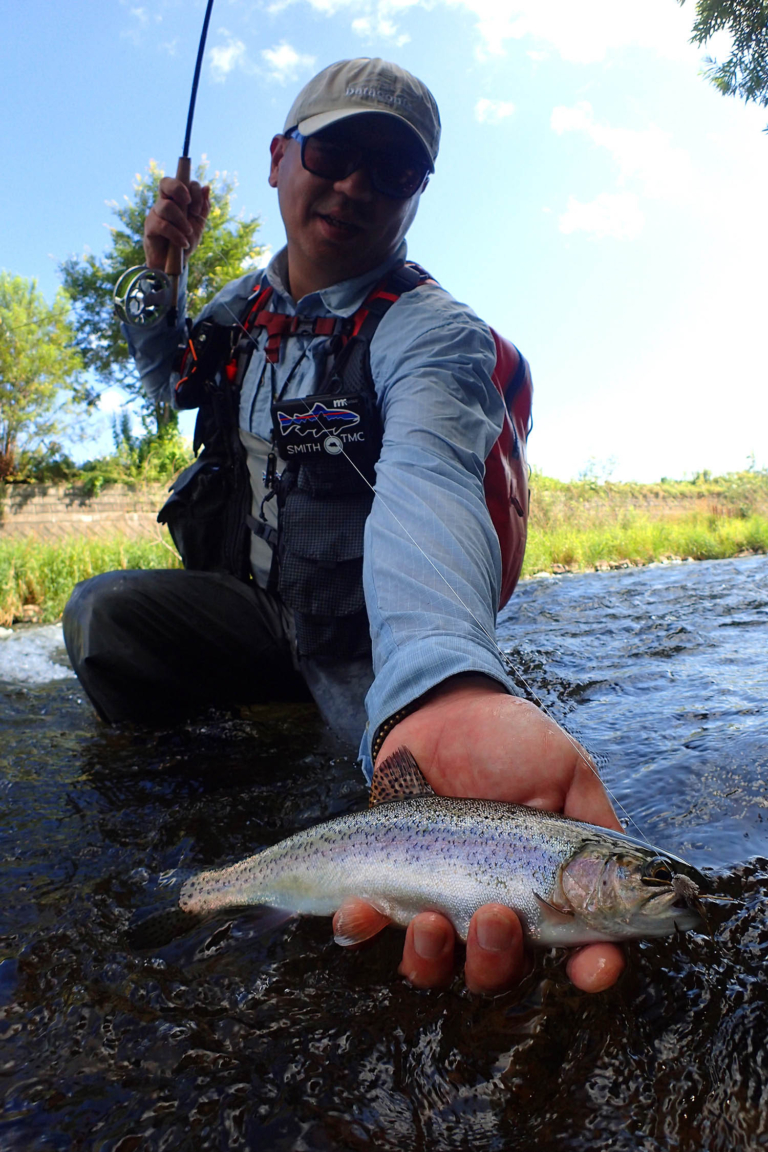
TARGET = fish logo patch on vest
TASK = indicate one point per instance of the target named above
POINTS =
(328, 425)
(319, 420)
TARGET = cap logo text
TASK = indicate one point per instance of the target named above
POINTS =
(378, 95)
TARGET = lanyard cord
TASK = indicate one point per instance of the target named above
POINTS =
(281, 394)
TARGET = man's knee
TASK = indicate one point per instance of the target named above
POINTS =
(95, 608)
(94, 594)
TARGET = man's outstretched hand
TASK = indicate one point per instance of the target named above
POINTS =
(470, 738)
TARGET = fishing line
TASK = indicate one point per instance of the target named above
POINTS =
(33, 323)
(514, 673)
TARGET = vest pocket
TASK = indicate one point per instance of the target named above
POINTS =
(321, 553)
(205, 514)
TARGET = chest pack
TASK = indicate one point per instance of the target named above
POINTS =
(328, 444)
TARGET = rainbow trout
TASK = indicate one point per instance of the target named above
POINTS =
(412, 851)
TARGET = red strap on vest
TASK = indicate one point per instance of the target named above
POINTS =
(278, 325)
(378, 293)
(506, 468)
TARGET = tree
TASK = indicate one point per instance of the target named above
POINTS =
(226, 251)
(745, 72)
(41, 382)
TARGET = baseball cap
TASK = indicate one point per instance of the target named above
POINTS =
(351, 87)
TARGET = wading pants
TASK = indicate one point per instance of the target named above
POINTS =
(153, 646)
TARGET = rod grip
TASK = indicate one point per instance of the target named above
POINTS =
(174, 261)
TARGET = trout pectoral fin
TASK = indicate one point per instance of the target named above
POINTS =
(357, 921)
(552, 915)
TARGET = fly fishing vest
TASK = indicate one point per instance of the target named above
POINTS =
(328, 444)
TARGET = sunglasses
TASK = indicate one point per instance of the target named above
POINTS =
(392, 172)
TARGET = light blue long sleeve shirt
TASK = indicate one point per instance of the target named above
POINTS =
(432, 564)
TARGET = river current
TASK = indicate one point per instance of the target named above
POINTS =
(233, 1037)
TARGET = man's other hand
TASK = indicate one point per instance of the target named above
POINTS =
(177, 217)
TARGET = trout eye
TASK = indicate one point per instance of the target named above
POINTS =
(657, 872)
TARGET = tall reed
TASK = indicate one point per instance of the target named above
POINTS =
(43, 575)
(585, 524)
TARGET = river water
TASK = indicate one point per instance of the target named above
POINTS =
(233, 1039)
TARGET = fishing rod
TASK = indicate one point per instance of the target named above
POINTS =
(144, 296)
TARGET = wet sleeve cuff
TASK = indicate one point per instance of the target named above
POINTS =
(418, 667)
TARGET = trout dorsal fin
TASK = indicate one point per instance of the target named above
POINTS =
(398, 778)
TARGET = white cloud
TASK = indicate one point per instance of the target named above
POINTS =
(493, 111)
(379, 27)
(285, 62)
(582, 32)
(264, 257)
(141, 21)
(615, 215)
(226, 57)
(647, 154)
(112, 400)
(372, 20)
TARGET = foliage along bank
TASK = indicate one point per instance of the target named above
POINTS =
(586, 525)
(583, 525)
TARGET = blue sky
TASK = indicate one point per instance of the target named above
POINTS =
(595, 199)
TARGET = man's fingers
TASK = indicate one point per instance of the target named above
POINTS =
(428, 952)
(200, 201)
(495, 955)
(595, 967)
(496, 958)
(587, 798)
(176, 190)
(170, 221)
(177, 217)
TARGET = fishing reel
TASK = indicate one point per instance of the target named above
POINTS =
(143, 296)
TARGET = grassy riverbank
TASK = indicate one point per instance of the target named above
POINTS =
(586, 525)
(37, 579)
(578, 526)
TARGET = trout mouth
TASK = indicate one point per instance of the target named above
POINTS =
(681, 891)
(634, 893)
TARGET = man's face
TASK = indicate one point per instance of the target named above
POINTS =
(338, 229)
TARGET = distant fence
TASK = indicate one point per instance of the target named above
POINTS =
(51, 512)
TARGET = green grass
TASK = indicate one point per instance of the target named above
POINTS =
(582, 526)
(643, 541)
(32, 572)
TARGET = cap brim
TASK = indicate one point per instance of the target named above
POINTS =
(322, 120)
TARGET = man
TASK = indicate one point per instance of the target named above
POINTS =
(350, 168)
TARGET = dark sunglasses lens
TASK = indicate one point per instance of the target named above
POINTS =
(330, 161)
(397, 177)
(392, 174)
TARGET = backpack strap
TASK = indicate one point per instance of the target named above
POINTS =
(278, 325)
(385, 294)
